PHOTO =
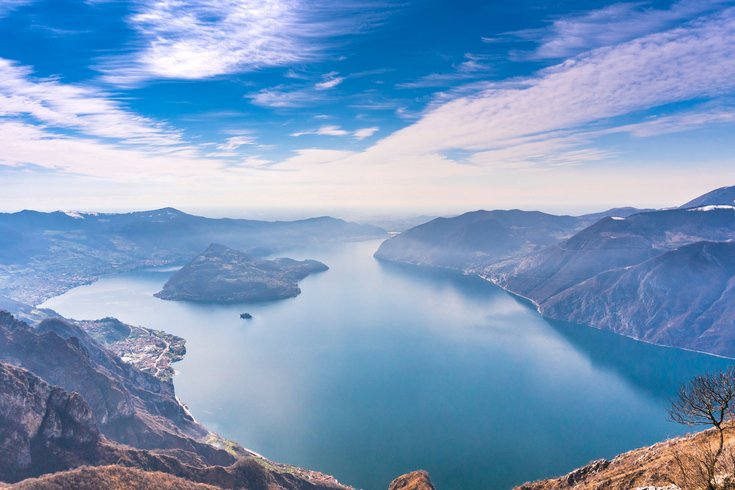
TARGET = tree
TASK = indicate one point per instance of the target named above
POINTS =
(707, 399)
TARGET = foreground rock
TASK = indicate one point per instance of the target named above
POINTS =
(652, 467)
(223, 275)
(416, 480)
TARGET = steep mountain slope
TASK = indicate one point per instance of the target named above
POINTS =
(683, 298)
(613, 243)
(44, 429)
(43, 254)
(129, 406)
(723, 195)
(221, 274)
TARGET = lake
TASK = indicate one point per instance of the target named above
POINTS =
(378, 369)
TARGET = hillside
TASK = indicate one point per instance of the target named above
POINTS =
(223, 275)
(647, 468)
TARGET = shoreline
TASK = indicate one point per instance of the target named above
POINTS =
(536, 306)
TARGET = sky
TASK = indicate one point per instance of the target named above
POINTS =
(290, 108)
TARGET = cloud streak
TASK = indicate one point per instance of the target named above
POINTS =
(83, 108)
(690, 62)
(198, 39)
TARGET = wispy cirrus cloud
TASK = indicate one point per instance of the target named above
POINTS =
(474, 66)
(198, 39)
(333, 130)
(85, 109)
(690, 62)
(329, 80)
(610, 25)
(7, 5)
(281, 97)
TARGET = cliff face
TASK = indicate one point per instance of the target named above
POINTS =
(221, 274)
(42, 427)
(129, 406)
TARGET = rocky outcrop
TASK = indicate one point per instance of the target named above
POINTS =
(42, 427)
(223, 275)
(648, 468)
(416, 480)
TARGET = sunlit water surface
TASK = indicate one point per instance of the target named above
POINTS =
(377, 369)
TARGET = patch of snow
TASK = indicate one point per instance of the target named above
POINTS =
(74, 214)
(617, 218)
(712, 207)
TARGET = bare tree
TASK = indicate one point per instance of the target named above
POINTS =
(707, 400)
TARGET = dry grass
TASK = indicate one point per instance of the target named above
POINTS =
(657, 466)
(111, 477)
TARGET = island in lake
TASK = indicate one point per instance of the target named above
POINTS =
(223, 275)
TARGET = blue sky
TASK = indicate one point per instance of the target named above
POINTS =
(291, 107)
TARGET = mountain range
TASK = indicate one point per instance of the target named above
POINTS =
(45, 254)
(662, 276)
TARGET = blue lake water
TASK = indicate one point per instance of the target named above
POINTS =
(377, 369)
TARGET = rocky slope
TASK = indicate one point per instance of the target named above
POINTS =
(221, 274)
(45, 429)
(683, 298)
(649, 468)
(416, 480)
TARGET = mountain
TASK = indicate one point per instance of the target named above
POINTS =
(723, 195)
(683, 298)
(46, 429)
(221, 274)
(44, 254)
(478, 237)
(612, 243)
(660, 276)
(129, 406)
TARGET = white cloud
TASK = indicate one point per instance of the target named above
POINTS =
(198, 39)
(363, 133)
(284, 97)
(473, 67)
(82, 108)
(328, 130)
(24, 144)
(685, 63)
(333, 130)
(329, 80)
(8, 5)
(236, 142)
(611, 25)
(677, 123)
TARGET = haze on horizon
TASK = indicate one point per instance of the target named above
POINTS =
(288, 108)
